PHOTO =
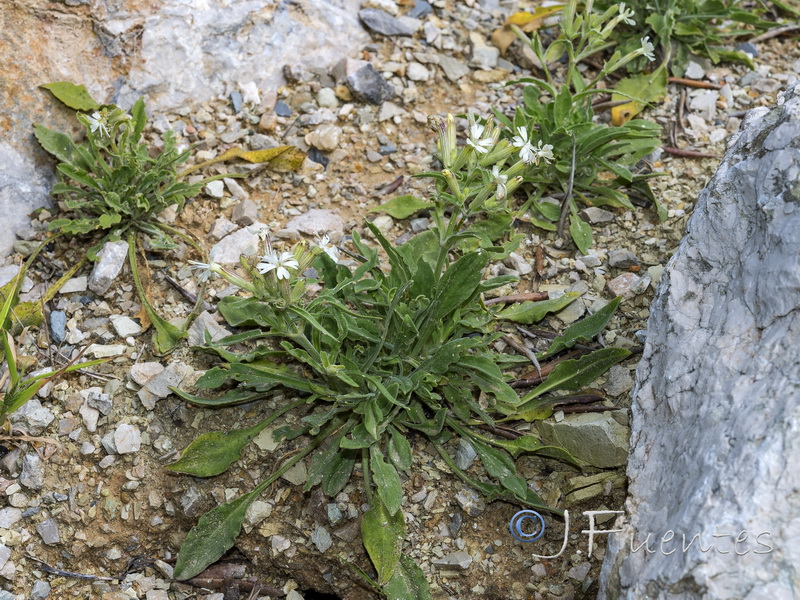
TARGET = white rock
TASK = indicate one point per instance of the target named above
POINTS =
(76, 284)
(125, 326)
(110, 261)
(127, 439)
(141, 373)
(326, 98)
(417, 72)
(215, 189)
(389, 110)
(250, 94)
(106, 351)
(326, 138)
(245, 241)
(90, 417)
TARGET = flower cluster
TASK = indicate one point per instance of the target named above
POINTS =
(528, 153)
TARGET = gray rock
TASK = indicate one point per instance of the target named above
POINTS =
(460, 559)
(417, 72)
(205, 322)
(158, 387)
(716, 404)
(32, 417)
(245, 241)
(622, 259)
(127, 439)
(40, 590)
(368, 85)
(465, 454)
(618, 381)
(334, 514)
(579, 571)
(125, 326)
(623, 285)
(76, 284)
(141, 373)
(326, 98)
(596, 215)
(9, 517)
(484, 56)
(321, 538)
(694, 71)
(325, 138)
(596, 439)
(220, 228)
(453, 68)
(380, 21)
(317, 220)
(191, 502)
(5, 554)
(32, 476)
(4, 595)
(48, 531)
(58, 326)
(215, 189)
(22, 189)
(470, 502)
(10, 272)
(245, 213)
(108, 266)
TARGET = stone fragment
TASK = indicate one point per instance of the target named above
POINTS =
(32, 417)
(90, 417)
(215, 189)
(317, 220)
(58, 326)
(245, 213)
(40, 590)
(453, 68)
(245, 241)
(596, 215)
(417, 72)
(326, 138)
(32, 476)
(484, 56)
(593, 438)
(280, 543)
(321, 538)
(389, 110)
(105, 350)
(298, 475)
(158, 387)
(380, 21)
(326, 98)
(622, 259)
(191, 501)
(9, 517)
(48, 531)
(108, 266)
(618, 381)
(460, 559)
(127, 439)
(465, 454)
(76, 284)
(141, 373)
(257, 512)
(470, 502)
(205, 322)
(125, 326)
(623, 285)
(694, 71)
(715, 412)
(220, 228)
(5, 554)
(368, 85)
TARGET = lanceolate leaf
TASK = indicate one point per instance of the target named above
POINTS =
(533, 312)
(74, 96)
(383, 536)
(213, 536)
(386, 480)
(402, 207)
(575, 374)
(408, 582)
(583, 330)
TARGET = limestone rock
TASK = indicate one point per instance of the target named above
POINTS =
(716, 404)
(108, 265)
(594, 438)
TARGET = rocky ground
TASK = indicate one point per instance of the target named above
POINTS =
(89, 512)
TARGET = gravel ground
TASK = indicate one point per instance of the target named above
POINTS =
(87, 509)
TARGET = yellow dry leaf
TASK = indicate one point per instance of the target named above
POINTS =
(528, 22)
(625, 112)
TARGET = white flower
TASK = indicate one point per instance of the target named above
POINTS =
(205, 270)
(543, 153)
(97, 121)
(324, 243)
(280, 262)
(521, 140)
(500, 180)
(626, 14)
(647, 48)
(475, 132)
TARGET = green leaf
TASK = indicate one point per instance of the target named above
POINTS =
(403, 206)
(408, 582)
(74, 96)
(399, 450)
(642, 89)
(339, 471)
(212, 537)
(383, 535)
(500, 466)
(212, 453)
(575, 374)
(458, 284)
(580, 231)
(57, 144)
(533, 312)
(109, 220)
(583, 330)
(387, 480)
